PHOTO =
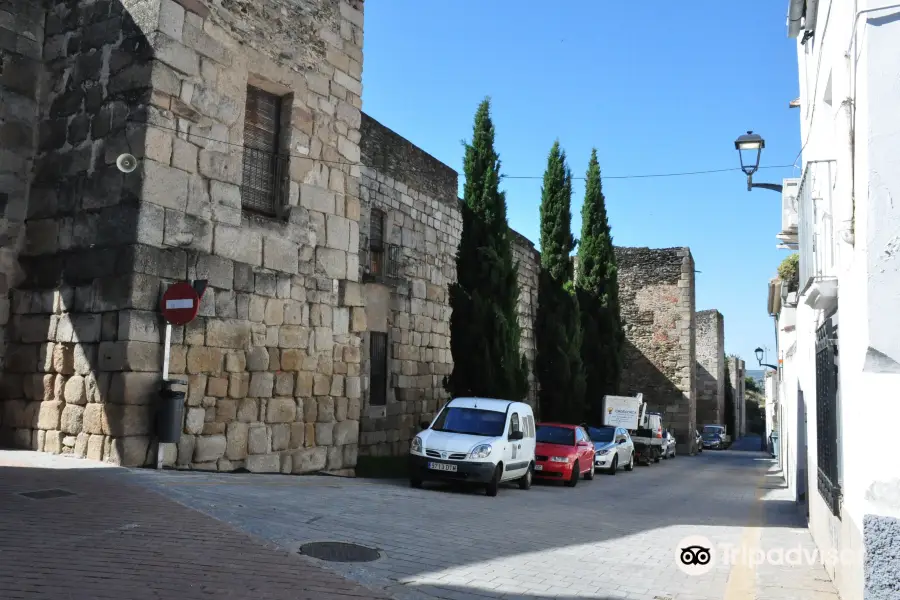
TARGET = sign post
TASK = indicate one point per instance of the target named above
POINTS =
(180, 305)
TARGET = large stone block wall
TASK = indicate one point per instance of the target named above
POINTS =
(418, 195)
(273, 362)
(710, 367)
(529, 261)
(656, 296)
(737, 372)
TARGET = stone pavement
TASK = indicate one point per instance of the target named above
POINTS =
(613, 538)
(115, 539)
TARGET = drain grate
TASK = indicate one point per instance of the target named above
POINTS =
(47, 494)
(339, 552)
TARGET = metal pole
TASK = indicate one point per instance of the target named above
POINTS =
(167, 349)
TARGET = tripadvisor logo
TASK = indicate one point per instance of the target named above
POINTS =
(697, 555)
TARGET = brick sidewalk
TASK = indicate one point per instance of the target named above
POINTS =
(115, 539)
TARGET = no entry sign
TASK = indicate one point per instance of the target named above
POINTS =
(180, 303)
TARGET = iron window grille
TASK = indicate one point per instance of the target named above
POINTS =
(265, 170)
(384, 259)
(379, 368)
(827, 442)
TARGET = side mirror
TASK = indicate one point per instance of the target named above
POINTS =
(424, 424)
(621, 441)
(515, 436)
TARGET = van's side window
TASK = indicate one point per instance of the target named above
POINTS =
(514, 423)
(530, 421)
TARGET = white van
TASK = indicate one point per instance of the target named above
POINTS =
(478, 440)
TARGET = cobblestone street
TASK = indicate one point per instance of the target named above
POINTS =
(610, 538)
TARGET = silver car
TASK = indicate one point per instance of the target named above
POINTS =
(613, 449)
(668, 445)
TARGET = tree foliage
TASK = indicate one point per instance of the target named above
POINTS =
(484, 326)
(558, 364)
(598, 297)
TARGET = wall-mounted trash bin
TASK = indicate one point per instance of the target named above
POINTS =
(170, 413)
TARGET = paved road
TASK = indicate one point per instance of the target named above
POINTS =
(611, 538)
(111, 538)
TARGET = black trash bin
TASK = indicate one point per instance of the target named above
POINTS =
(170, 414)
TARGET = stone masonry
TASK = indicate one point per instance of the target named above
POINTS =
(656, 296)
(529, 261)
(273, 361)
(408, 299)
(737, 372)
(710, 367)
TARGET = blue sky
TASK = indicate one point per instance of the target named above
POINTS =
(657, 87)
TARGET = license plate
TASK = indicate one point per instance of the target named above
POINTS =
(442, 467)
(538, 467)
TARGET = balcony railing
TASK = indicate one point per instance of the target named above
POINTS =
(384, 261)
(817, 241)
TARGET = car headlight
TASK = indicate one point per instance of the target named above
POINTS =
(482, 451)
(602, 452)
(562, 459)
(416, 445)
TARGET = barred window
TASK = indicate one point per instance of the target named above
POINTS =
(376, 242)
(264, 168)
(379, 368)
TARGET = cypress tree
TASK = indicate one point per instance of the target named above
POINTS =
(484, 326)
(598, 297)
(557, 328)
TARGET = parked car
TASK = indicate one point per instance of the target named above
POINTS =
(698, 441)
(613, 448)
(478, 440)
(714, 437)
(564, 453)
(668, 450)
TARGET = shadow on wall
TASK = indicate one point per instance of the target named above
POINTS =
(707, 401)
(83, 357)
(640, 375)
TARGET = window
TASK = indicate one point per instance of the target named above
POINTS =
(602, 434)
(514, 423)
(378, 371)
(579, 435)
(827, 450)
(529, 425)
(471, 421)
(551, 434)
(376, 242)
(264, 168)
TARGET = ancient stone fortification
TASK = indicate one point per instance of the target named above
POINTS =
(273, 362)
(710, 367)
(737, 372)
(529, 261)
(656, 295)
(410, 228)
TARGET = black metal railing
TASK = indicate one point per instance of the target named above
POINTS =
(378, 346)
(384, 261)
(827, 442)
(264, 182)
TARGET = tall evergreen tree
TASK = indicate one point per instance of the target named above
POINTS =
(598, 297)
(484, 326)
(558, 328)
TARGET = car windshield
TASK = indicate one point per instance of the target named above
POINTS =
(549, 434)
(712, 431)
(471, 421)
(602, 434)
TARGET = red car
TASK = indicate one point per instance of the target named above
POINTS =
(563, 452)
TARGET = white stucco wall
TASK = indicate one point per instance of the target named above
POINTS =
(863, 67)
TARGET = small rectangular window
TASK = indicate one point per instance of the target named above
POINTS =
(379, 368)
(376, 242)
(264, 167)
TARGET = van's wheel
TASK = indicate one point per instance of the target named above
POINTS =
(590, 474)
(576, 475)
(526, 479)
(630, 465)
(494, 486)
(415, 483)
(614, 466)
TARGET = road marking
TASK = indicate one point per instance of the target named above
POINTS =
(742, 578)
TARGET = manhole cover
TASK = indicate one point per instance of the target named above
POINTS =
(46, 494)
(339, 552)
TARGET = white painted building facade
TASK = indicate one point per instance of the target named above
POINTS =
(838, 389)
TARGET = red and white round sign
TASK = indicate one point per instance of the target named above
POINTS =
(180, 303)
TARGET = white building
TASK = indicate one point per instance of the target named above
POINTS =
(840, 346)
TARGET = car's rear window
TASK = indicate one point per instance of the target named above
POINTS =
(551, 434)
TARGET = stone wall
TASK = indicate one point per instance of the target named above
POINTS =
(737, 372)
(710, 367)
(418, 196)
(21, 54)
(656, 295)
(273, 361)
(529, 261)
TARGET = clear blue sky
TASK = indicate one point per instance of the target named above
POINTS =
(657, 87)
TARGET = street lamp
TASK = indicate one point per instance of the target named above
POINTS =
(759, 357)
(750, 147)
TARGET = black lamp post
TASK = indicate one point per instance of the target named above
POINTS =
(759, 357)
(750, 147)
